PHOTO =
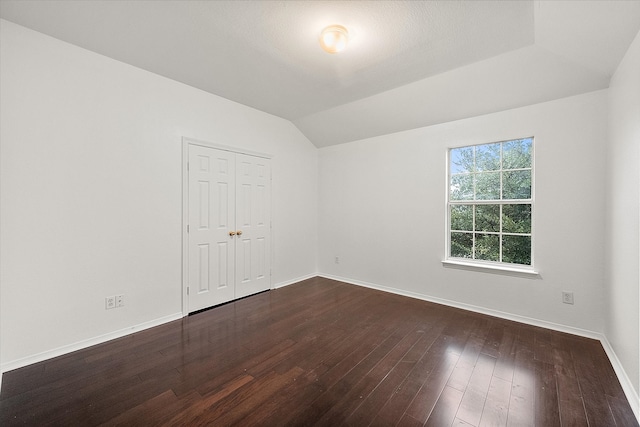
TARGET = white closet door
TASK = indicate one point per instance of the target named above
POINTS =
(211, 220)
(253, 223)
(229, 238)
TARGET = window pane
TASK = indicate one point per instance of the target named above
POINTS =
(462, 217)
(461, 160)
(488, 218)
(516, 218)
(462, 187)
(516, 185)
(516, 249)
(487, 247)
(488, 157)
(487, 186)
(461, 245)
(516, 154)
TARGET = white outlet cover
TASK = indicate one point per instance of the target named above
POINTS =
(567, 297)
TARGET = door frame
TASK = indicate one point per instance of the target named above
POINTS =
(186, 142)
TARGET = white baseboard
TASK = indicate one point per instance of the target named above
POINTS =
(292, 281)
(19, 363)
(625, 381)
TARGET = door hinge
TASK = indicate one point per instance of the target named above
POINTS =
(187, 228)
(187, 166)
(187, 290)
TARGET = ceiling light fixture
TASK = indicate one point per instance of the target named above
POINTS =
(334, 38)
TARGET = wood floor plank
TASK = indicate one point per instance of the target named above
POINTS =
(505, 361)
(282, 410)
(546, 395)
(354, 390)
(597, 409)
(543, 346)
(444, 412)
(522, 401)
(340, 380)
(494, 340)
(408, 421)
(393, 410)
(494, 413)
(233, 414)
(464, 368)
(155, 411)
(475, 394)
(388, 384)
(459, 423)
(428, 395)
(322, 352)
(620, 413)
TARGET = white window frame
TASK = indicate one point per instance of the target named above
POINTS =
(476, 264)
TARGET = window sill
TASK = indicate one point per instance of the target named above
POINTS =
(490, 268)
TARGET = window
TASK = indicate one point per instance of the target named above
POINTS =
(490, 203)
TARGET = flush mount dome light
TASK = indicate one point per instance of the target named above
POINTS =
(334, 38)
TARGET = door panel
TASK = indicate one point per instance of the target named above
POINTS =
(211, 255)
(253, 257)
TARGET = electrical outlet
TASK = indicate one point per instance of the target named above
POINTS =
(567, 297)
(110, 302)
(119, 300)
(337, 260)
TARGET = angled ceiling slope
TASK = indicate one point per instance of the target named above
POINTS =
(409, 63)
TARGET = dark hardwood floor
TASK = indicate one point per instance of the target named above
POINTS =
(325, 353)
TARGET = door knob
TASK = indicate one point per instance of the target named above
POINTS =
(232, 233)
(239, 232)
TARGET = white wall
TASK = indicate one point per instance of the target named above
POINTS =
(91, 191)
(623, 215)
(382, 211)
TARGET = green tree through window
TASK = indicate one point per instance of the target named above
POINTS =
(490, 202)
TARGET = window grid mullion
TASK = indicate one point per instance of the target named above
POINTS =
(492, 202)
(473, 235)
(501, 198)
(505, 170)
(475, 196)
(500, 239)
(495, 233)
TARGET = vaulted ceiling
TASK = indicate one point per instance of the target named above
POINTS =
(409, 63)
